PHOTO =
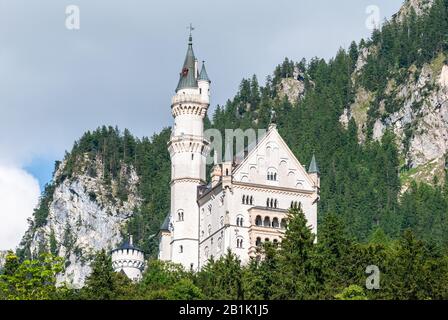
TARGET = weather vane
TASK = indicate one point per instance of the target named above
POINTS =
(191, 28)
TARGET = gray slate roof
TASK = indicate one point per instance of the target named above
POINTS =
(314, 168)
(187, 77)
(203, 75)
(166, 223)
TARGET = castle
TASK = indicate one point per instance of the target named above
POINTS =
(246, 202)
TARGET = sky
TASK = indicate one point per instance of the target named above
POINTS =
(121, 66)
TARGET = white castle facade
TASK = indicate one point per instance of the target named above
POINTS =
(246, 202)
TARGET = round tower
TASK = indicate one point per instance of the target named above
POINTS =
(188, 151)
(129, 260)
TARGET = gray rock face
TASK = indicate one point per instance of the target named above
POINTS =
(420, 123)
(83, 220)
(419, 6)
(293, 88)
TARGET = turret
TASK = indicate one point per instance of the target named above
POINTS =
(314, 172)
(129, 259)
(216, 171)
(204, 84)
(165, 239)
(227, 166)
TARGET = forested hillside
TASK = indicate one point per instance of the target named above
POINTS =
(330, 108)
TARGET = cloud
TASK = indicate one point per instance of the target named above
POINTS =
(19, 195)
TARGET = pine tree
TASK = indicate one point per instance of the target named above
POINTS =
(100, 284)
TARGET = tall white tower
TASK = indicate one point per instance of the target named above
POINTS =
(188, 151)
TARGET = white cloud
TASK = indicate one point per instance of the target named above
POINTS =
(19, 195)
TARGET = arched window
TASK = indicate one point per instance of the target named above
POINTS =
(275, 203)
(251, 200)
(275, 223)
(266, 240)
(209, 229)
(206, 252)
(239, 243)
(283, 224)
(239, 221)
(211, 241)
(258, 242)
(180, 215)
(267, 202)
(275, 242)
(272, 174)
(181, 249)
(219, 244)
(244, 199)
(227, 172)
(272, 203)
(267, 222)
(258, 221)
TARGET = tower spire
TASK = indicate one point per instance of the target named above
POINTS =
(314, 168)
(203, 74)
(187, 79)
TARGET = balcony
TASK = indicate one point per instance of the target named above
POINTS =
(186, 98)
(267, 224)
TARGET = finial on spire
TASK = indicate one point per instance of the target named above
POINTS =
(273, 122)
(190, 28)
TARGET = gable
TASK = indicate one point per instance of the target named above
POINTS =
(271, 162)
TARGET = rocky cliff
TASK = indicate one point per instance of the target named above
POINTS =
(413, 104)
(108, 186)
(84, 216)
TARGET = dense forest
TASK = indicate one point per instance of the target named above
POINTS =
(364, 219)
(334, 268)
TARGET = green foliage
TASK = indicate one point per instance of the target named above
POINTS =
(31, 279)
(352, 292)
(101, 283)
(222, 279)
(185, 290)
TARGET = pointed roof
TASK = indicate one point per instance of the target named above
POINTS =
(187, 77)
(127, 245)
(166, 223)
(203, 75)
(314, 168)
(260, 141)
